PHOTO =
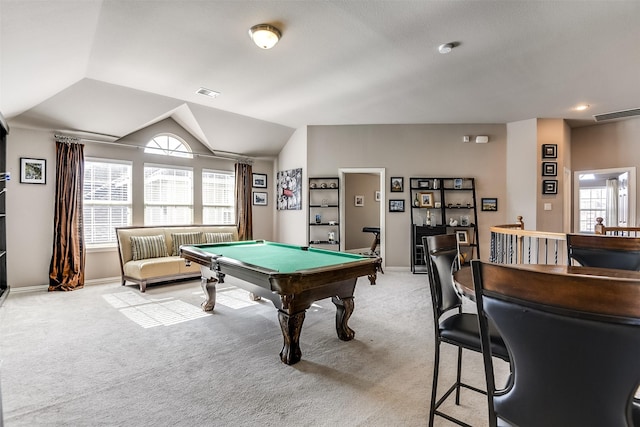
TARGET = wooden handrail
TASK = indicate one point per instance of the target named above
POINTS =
(512, 244)
(600, 228)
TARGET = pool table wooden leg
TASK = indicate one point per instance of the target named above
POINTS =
(344, 309)
(291, 325)
(209, 287)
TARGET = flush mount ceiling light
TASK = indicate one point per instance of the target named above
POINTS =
(265, 36)
(446, 48)
(582, 107)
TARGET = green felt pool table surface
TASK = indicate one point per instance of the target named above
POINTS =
(279, 257)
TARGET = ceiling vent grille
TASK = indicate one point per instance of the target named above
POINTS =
(617, 115)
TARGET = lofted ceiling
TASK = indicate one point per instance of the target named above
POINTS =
(113, 67)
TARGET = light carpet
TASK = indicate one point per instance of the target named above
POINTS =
(108, 355)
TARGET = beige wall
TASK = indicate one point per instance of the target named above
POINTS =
(30, 207)
(291, 225)
(402, 150)
(415, 150)
(605, 146)
(356, 217)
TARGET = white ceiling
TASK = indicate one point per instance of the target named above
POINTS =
(113, 67)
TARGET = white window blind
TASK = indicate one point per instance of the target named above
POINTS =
(168, 195)
(107, 199)
(218, 194)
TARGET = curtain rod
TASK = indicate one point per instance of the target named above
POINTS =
(229, 156)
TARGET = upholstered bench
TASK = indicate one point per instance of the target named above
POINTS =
(151, 254)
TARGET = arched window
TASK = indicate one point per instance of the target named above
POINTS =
(168, 145)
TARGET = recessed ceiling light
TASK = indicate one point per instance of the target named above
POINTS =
(582, 107)
(446, 48)
(208, 92)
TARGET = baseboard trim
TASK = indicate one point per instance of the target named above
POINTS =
(45, 288)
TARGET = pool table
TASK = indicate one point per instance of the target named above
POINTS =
(291, 277)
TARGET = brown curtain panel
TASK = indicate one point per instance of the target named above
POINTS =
(244, 215)
(66, 272)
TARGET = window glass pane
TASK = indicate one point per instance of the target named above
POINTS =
(168, 196)
(107, 199)
(593, 204)
(218, 194)
(168, 145)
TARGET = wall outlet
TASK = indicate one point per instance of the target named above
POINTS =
(547, 206)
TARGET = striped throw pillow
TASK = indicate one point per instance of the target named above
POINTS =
(194, 238)
(143, 247)
(218, 237)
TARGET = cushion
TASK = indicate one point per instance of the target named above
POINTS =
(143, 247)
(194, 238)
(218, 237)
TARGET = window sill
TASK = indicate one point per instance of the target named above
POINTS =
(107, 247)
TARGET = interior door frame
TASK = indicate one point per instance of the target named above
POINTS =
(382, 174)
(632, 193)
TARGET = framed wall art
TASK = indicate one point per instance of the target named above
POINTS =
(260, 198)
(549, 169)
(33, 171)
(550, 186)
(397, 184)
(425, 200)
(489, 204)
(396, 205)
(259, 180)
(549, 151)
(289, 189)
(359, 200)
(462, 236)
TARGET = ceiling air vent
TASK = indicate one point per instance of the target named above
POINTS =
(617, 115)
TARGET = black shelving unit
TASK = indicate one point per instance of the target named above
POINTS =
(443, 205)
(324, 212)
(4, 286)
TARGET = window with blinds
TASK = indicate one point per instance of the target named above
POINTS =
(106, 198)
(168, 195)
(218, 193)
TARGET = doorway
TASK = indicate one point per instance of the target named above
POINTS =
(352, 208)
(606, 193)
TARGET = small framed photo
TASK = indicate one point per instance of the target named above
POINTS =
(549, 169)
(359, 200)
(550, 186)
(396, 205)
(462, 236)
(423, 183)
(397, 184)
(425, 200)
(489, 204)
(377, 196)
(259, 198)
(259, 180)
(33, 171)
(549, 151)
(465, 220)
(457, 183)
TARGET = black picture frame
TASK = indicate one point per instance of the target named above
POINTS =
(489, 204)
(33, 171)
(550, 186)
(549, 151)
(549, 169)
(260, 198)
(397, 184)
(396, 205)
(259, 180)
